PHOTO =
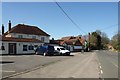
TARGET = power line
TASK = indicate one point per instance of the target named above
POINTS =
(108, 27)
(69, 17)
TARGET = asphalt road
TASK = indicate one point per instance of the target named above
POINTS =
(14, 64)
(97, 64)
(108, 64)
(80, 66)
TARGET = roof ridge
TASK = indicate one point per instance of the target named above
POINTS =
(27, 25)
(27, 29)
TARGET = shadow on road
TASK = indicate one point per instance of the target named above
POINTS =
(6, 62)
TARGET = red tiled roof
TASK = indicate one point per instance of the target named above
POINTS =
(27, 29)
(12, 39)
(75, 42)
(67, 38)
(82, 41)
(55, 41)
(71, 40)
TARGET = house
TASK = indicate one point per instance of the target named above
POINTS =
(55, 42)
(110, 47)
(22, 39)
(72, 43)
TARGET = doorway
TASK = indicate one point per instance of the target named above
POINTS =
(12, 48)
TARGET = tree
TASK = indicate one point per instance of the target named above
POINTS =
(104, 38)
(95, 40)
(115, 42)
(52, 39)
(99, 40)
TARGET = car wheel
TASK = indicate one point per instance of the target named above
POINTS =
(68, 54)
(44, 54)
(60, 54)
(36, 53)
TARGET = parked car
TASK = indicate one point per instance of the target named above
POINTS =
(61, 50)
(45, 50)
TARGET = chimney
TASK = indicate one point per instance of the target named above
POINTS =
(9, 25)
(2, 29)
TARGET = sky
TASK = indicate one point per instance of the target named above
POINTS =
(89, 16)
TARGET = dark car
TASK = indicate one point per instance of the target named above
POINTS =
(45, 50)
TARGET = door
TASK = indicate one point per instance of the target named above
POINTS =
(12, 48)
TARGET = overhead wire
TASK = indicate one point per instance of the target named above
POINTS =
(76, 25)
(109, 27)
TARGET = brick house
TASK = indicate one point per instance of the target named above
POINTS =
(22, 39)
(72, 43)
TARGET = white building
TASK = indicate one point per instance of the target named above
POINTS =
(21, 39)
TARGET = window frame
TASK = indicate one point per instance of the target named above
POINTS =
(25, 47)
(33, 37)
(31, 47)
(43, 39)
(20, 36)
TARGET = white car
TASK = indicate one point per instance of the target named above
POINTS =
(61, 50)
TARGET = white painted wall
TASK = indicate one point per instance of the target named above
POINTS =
(6, 47)
(46, 38)
(77, 47)
(19, 46)
(71, 47)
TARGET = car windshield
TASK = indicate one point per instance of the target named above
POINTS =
(62, 48)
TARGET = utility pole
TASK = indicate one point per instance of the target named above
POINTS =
(89, 42)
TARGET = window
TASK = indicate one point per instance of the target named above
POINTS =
(20, 36)
(31, 47)
(24, 47)
(58, 49)
(36, 45)
(34, 37)
(62, 48)
(42, 39)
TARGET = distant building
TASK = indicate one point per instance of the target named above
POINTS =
(110, 47)
(72, 43)
(22, 39)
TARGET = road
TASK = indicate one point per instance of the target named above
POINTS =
(80, 66)
(17, 64)
(97, 64)
(108, 64)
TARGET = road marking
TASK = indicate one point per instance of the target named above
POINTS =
(100, 67)
(6, 71)
(101, 71)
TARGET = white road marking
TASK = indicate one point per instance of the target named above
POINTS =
(101, 71)
(100, 67)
